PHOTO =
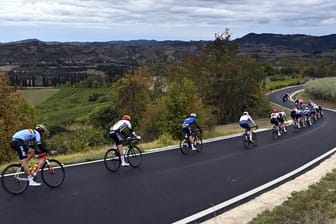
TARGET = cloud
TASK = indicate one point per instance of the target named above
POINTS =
(204, 15)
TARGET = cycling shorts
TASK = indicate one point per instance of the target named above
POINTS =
(117, 137)
(245, 125)
(187, 130)
(19, 146)
(274, 121)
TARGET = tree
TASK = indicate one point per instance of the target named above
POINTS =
(181, 100)
(227, 81)
(15, 113)
(131, 94)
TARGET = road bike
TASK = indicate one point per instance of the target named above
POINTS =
(247, 141)
(133, 155)
(185, 146)
(15, 181)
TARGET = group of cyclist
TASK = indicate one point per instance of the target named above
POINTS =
(303, 114)
(24, 140)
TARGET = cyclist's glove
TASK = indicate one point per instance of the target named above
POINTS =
(138, 137)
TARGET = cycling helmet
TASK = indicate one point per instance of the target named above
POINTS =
(41, 128)
(245, 113)
(193, 115)
(126, 117)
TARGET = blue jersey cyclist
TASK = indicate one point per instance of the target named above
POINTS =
(244, 122)
(187, 125)
(23, 143)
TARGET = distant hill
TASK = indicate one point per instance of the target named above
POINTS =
(33, 59)
(297, 42)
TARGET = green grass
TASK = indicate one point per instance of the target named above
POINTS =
(284, 82)
(36, 96)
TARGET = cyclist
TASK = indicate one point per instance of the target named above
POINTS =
(274, 120)
(118, 132)
(187, 124)
(23, 143)
(285, 97)
(282, 118)
(306, 113)
(244, 123)
(293, 114)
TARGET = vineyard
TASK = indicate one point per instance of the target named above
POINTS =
(70, 105)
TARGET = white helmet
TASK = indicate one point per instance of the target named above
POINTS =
(193, 115)
(245, 113)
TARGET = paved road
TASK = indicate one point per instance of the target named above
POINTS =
(168, 186)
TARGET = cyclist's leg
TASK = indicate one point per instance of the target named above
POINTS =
(118, 138)
(24, 154)
(187, 130)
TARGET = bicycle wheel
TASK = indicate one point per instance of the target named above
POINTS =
(184, 147)
(134, 156)
(53, 174)
(254, 138)
(14, 180)
(112, 160)
(274, 133)
(198, 143)
(246, 141)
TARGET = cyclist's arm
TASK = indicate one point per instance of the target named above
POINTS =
(43, 148)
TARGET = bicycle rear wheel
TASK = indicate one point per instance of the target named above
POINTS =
(14, 180)
(198, 143)
(246, 141)
(53, 174)
(134, 156)
(112, 160)
(274, 133)
(184, 147)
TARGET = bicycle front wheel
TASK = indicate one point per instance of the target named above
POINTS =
(198, 143)
(184, 147)
(134, 156)
(112, 160)
(14, 180)
(53, 174)
(254, 138)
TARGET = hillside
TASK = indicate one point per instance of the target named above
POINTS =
(36, 63)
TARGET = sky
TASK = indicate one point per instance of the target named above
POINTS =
(107, 20)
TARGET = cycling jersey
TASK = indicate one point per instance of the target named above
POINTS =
(244, 121)
(29, 136)
(117, 131)
(22, 140)
(188, 122)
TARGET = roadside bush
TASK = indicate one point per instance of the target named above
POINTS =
(322, 88)
(78, 141)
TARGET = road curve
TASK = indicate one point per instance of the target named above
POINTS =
(169, 186)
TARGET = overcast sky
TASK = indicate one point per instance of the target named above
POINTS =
(104, 20)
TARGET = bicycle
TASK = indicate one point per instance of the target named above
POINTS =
(246, 139)
(133, 156)
(184, 143)
(15, 181)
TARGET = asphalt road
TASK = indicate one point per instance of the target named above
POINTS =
(169, 186)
